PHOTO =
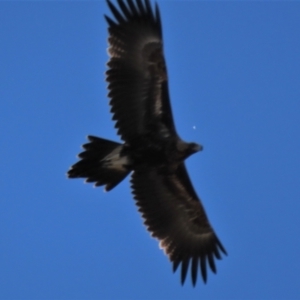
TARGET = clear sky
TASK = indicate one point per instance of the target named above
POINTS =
(234, 70)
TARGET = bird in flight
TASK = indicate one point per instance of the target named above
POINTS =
(152, 151)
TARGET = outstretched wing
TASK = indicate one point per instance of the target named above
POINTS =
(175, 216)
(137, 75)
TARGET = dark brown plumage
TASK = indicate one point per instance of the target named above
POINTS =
(152, 150)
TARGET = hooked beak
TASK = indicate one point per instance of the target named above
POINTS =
(196, 147)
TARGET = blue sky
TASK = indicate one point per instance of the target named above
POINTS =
(234, 70)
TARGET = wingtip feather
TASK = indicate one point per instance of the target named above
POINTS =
(203, 269)
(109, 21)
(194, 270)
(184, 269)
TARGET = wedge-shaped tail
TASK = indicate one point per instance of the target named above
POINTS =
(102, 162)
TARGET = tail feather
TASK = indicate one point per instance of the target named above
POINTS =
(101, 162)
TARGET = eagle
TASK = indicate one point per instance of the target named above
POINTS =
(151, 151)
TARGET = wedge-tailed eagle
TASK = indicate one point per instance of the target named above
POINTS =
(152, 151)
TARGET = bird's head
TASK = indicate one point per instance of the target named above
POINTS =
(187, 149)
(193, 148)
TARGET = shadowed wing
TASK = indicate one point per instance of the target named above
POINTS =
(175, 216)
(137, 73)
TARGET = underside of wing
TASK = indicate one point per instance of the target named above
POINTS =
(175, 216)
(137, 75)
